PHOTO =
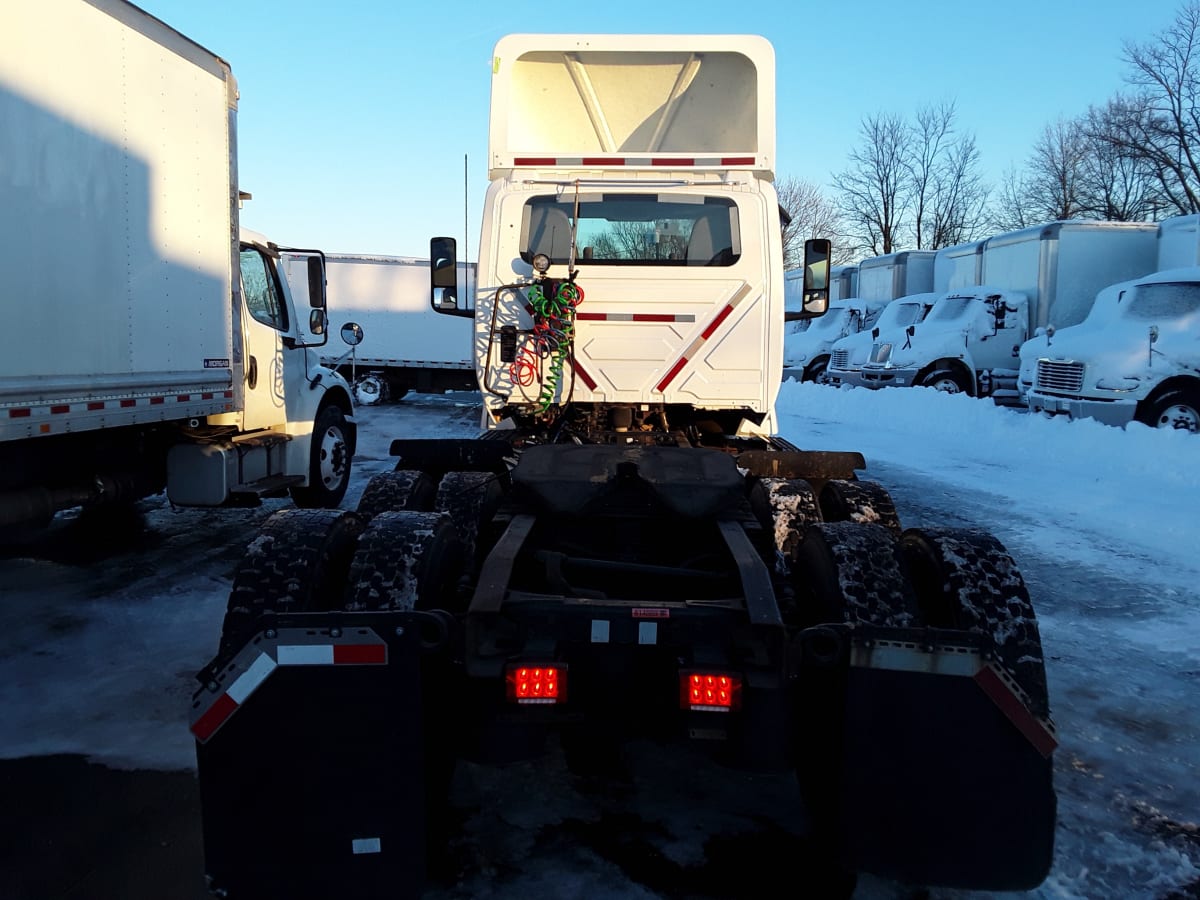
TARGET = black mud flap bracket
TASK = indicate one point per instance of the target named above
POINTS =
(310, 758)
(947, 776)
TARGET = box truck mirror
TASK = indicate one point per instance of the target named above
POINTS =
(316, 284)
(317, 320)
(816, 276)
(352, 333)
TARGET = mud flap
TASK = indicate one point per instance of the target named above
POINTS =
(947, 777)
(311, 768)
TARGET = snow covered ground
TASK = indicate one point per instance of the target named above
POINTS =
(98, 648)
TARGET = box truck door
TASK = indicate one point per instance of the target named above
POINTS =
(264, 325)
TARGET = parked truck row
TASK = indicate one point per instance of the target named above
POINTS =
(999, 305)
(629, 550)
(160, 345)
(1136, 357)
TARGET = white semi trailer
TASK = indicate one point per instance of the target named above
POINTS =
(154, 344)
(406, 346)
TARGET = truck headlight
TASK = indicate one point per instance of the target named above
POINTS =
(881, 353)
(1118, 384)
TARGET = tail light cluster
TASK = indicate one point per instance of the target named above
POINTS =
(710, 691)
(699, 691)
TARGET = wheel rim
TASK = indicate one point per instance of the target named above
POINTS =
(333, 457)
(368, 390)
(1180, 416)
(946, 386)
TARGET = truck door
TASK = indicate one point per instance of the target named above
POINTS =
(264, 325)
(1006, 330)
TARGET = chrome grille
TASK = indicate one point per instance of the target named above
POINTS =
(1059, 376)
(839, 359)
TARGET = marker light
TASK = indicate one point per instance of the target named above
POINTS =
(536, 683)
(710, 691)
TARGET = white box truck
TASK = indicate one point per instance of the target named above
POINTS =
(843, 282)
(1028, 278)
(909, 274)
(406, 346)
(1137, 357)
(158, 346)
(629, 551)
(806, 354)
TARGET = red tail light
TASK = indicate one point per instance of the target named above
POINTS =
(536, 683)
(710, 691)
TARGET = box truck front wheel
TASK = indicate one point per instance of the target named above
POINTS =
(1178, 408)
(948, 381)
(329, 463)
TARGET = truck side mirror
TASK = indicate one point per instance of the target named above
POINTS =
(817, 252)
(317, 319)
(443, 276)
(316, 284)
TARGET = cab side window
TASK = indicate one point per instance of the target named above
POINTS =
(260, 292)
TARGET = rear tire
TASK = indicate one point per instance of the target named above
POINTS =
(967, 580)
(299, 560)
(405, 560)
(470, 499)
(393, 491)
(329, 462)
(865, 502)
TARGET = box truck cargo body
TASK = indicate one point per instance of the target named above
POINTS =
(895, 275)
(406, 346)
(1137, 357)
(156, 348)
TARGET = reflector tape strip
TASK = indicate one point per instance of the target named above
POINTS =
(1004, 693)
(694, 347)
(634, 317)
(582, 374)
(214, 717)
(246, 683)
(633, 161)
(234, 696)
(305, 654)
(62, 409)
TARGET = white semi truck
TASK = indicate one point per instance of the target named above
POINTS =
(630, 550)
(1048, 274)
(1137, 357)
(907, 274)
(155, 344)
(406, 346)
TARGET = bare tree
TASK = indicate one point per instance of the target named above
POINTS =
(813, 215)
(957, 206)
(1055, 169)
(874, 192)
(1013, 206)
(1117, 185)
(1160, 122)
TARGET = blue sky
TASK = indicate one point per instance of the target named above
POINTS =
(354, 120)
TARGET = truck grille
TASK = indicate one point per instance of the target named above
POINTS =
(1059, 376)
(839, 359)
